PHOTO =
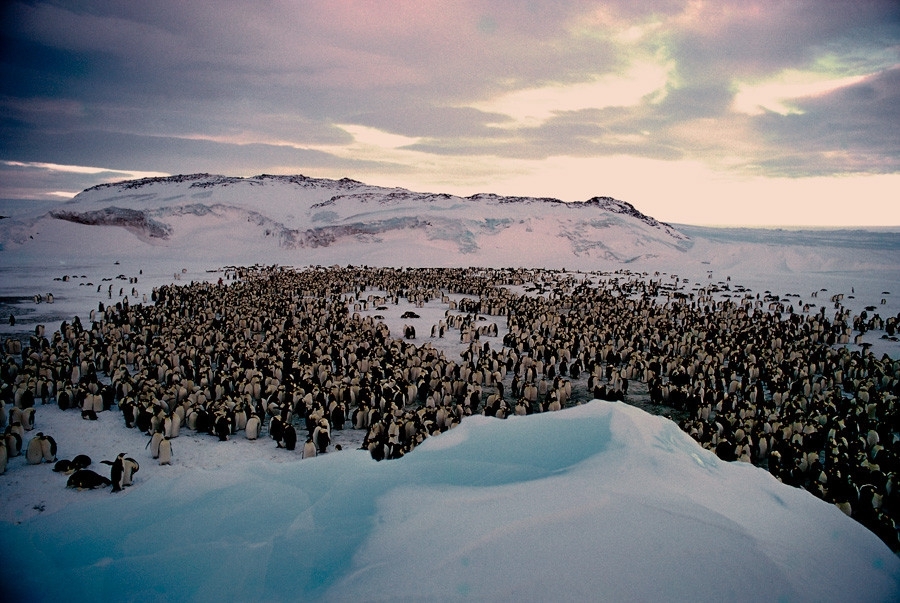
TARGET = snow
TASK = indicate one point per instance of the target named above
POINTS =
(600, 501)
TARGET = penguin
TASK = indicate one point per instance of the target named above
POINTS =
(28, 419)
(153, 444)
(240, 419)
(223, 427)
(338, 416)
(34, 453)
(64, 399)
(128, 408)
(172, 426)
(251, 432)
(4, 458)
(63, 466)
(276, 428)
(289, 437)
(116, 472)
(322, 436)
(81, 461)
(309, 449)
(165, 452)
(48, 449)
(85, 479)
(129, 468)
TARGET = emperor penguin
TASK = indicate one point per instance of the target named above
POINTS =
(289, 437)
(223, 427)
(81, 461)
(4, 458)
(154, 443)
(116, 472)
(165, 452)
(322, 436)
(48, 449)
(61, 466)
(251, 432)
(27, 419)
(129, 468)
(86, 479)
(34, 454)
(309, 448)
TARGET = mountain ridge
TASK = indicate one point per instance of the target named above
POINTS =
(300, 212)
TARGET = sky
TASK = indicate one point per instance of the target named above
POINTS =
(731, 112)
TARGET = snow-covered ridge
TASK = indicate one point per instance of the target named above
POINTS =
(298, 212)
(135, 221)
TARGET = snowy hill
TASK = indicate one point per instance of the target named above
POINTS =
(282, 214)
(296, 220)
(598, 502)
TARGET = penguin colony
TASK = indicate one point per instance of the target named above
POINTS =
(278, 350)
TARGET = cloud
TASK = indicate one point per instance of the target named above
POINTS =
(534, 106)
(35, 180)
(82, 169)
(853, 129)
(776, 94)
(450, 95)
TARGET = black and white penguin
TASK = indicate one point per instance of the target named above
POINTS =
(81, 461)
(13, 441)
(4, 458)
(289, 437)
(322, 436)
(276, 428)
(338, 416)
(309, 448)
(27, 419)
(154, 443)
(48, 448)
(63, 466)
(223, 427)
(251, 432)
(240, 419)
(116, 472)
(129, 468)
(34, 453)
(85, 479)
(165, 452)
(64, 399)
(128, 407)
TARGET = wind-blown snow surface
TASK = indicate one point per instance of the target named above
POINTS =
(597, 502)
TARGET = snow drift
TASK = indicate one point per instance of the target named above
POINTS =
(598, 502)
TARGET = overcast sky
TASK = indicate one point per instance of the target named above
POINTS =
(704, 112)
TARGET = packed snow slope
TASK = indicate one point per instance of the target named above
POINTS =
(596, 502)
